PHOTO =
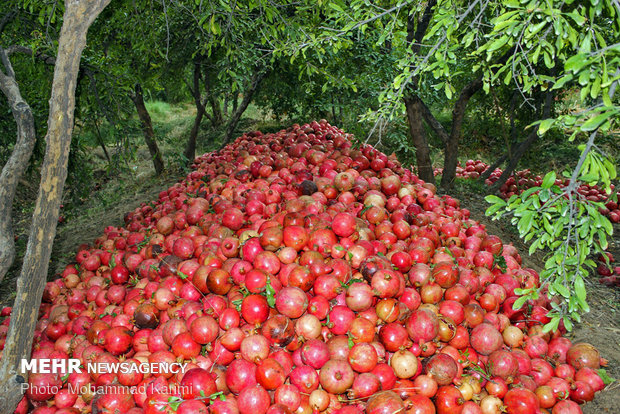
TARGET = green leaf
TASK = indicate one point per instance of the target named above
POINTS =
(527, 193)
(525, 223)
(580, 288)
(596, 87)
(270, 293)
(579, 19)
(594, 122)
(493, 209)
(552, 326)
(493, 199)
(605, 377)
(497, 43)
(562, 290)
(575, 63)
(518, 304)
(549, 180)
(174, 402)
(545, 125)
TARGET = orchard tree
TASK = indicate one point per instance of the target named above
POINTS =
(127, 62)
(533, 47)
(77, 18)
(224, 51)
(18, 161)
(413, 33)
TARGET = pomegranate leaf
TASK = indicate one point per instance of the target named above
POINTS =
(605, 377)
(500, 261)
(270, 294)
(349, 283)
(174, 402)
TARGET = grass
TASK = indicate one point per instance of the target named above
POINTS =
(160, 109)
(465, 185)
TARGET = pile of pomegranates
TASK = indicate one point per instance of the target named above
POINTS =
(521, 180)
(295, 274)
(609, 270)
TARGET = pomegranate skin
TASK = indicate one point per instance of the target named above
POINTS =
(521, 401)
(486, 339)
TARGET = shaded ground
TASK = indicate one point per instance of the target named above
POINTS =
(600, 327)
(100, 211)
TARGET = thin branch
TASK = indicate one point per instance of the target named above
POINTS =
(45, 58)
(6, 19)
(359, 24)
(49, 20)
(572, 185)
(163, 2)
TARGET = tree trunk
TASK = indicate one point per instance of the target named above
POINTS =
(235, 103)
(226, 103)
(524, 146)
(514, 161)
(78, 16)
(218, 119)
(422, 153)
(190, 147)
(147, 129)
(247, 98)
(17, 163)
(451, 152)
(333, 110)
(413, 105)
(101, 142)
(487, 173)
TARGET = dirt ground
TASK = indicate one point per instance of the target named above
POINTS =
(600, 327)
(83, 228)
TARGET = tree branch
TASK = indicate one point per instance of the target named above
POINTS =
(10, 73)
(255, 81)
(415, 38)
(95, 91)
(6, 19)
(572, 185)
(432, 121)
(47, 59)
(17, 163)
